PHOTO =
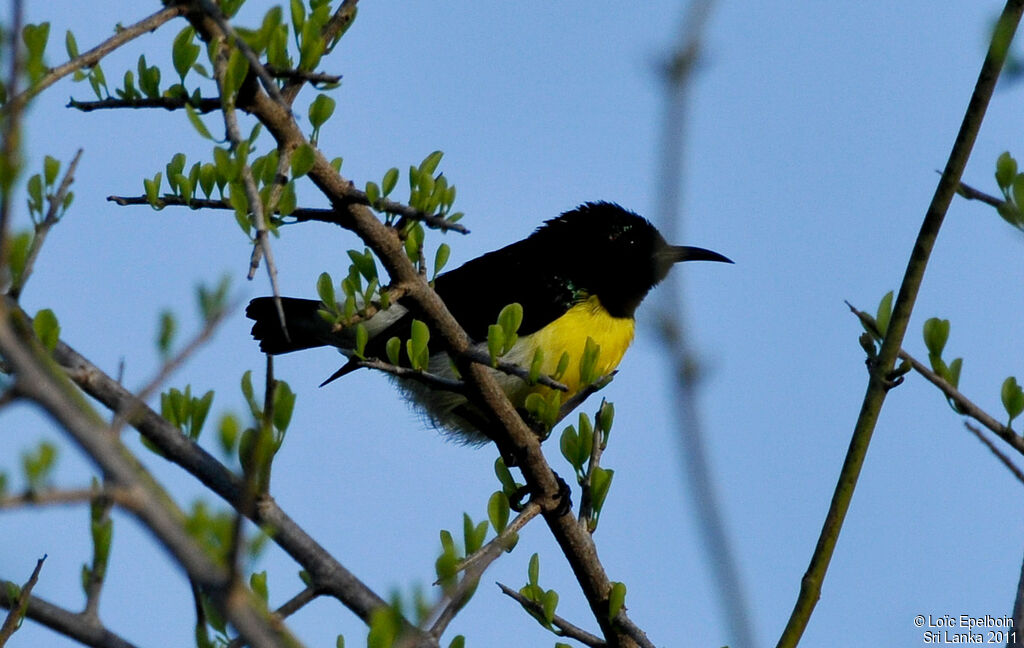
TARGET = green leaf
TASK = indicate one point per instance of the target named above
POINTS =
(184, 52)
(258, 583)
(1018, 191)
(936, 333)
(393, 348)
(417, 345)
(71, 45)
(569, 444)
(1013, 398)
(498, 511)
(501, 471)
(563, 365)
(605, 418)
(51, 167)
(372, 193)
(1006, 170)
(197, 123)
(284, 405)
(325, 290)
(320, 110)
(390, 180)
(429, 163)
(600, 483)
(166, 329)
(533, 571)
(588, 363)
(616, 599)
(549, 602)
(47, 329)
(227, 432)
(884, 313)
(18, 253)
(509, 319)
(303, 160)
(495, 343)
(441, 258)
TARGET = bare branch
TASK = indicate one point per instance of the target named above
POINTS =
(302, 75)
(290, 607)
(62, 497)
(1014, 470)
(204, 105)
(970, 193)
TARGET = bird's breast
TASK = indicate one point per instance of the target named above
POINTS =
(569, 333)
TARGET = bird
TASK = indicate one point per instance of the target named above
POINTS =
(579, 276)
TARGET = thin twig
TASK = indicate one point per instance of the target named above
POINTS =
(577, 399)
(61, 497)
(172, 365)
(93, 56)
(996, 451)
(302, 75)
(879, 380)
(427, 378)
(204, 105)
(290, 607)
(474, 566)
(970, 193)
(53, 214)
(301, 214)
(17, 611)
(565, 629)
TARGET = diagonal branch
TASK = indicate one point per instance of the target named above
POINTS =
(878, 383)
(564, 628)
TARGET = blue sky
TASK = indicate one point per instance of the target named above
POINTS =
(814, 136)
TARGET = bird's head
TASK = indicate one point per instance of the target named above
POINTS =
(611, 252)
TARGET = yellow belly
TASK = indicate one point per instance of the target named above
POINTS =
(569, 333)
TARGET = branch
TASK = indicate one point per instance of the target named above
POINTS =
(565, 629)
(999, 455)
(17, 609)
(204, 105)
(878, 384)
(474, 566)
(76, 626)
(970, 193)
(37, 379)
(93, 56)
(301, 75)
(303, 214)
(290, 607)
(118, 495)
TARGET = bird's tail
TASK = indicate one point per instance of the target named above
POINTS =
(305, 328)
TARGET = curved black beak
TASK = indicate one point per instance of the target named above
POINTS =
(677, 253)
